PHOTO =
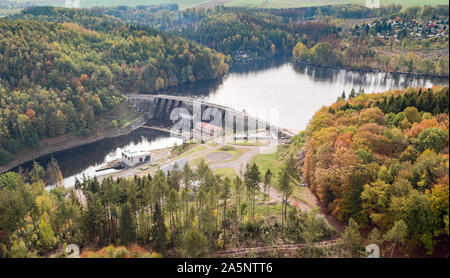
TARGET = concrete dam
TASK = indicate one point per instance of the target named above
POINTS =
(169, 109)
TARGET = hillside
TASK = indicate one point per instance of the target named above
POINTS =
(56, 78)
(383, 159)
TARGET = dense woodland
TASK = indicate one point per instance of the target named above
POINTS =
(375, 161)
(184, 213)
(107, 57)
(383, 160)
(255, 33)
(57, 78)
(247, 34)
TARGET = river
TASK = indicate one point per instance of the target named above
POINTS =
(296, 92)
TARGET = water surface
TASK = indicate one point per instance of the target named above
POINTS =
(295, 91)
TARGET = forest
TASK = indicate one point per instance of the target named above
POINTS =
(377, 162)
(185, 212)
(248, 34)
(57, 78)
(382, 160)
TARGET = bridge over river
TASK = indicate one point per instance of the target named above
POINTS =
(160, 107)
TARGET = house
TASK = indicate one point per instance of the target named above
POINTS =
(132, 158)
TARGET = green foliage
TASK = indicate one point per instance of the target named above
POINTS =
(47, 239)
(412, 114)
(433, 139)
(397, 235)
(158, 232)
(82, 65)
(35, 221)
(127, 225)
(10, 180)
(388, 169)
(375, 237)
(352, 239)
(193, 243)
(323, 53)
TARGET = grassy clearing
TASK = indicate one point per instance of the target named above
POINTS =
(298, 193)
(226, 172)
(191, 150)
(268, 161)
(195, 162)
(236, 152)
(257, 144)
(261, 210)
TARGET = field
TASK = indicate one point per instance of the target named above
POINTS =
(238, 3)
(310, 3)
(131, 3)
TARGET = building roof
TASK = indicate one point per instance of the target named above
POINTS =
(204, 125)
(135, 153)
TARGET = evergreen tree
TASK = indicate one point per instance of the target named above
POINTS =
(267, 182)
(127, 225)
(397, 235)
(284, 184)
(158, 231)
(352, 239)
(225, 195)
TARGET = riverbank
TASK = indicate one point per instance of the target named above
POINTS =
(64, 142)
(370, 70)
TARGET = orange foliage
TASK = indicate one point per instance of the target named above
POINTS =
(31, 115)
(417, 128)
(343, 140)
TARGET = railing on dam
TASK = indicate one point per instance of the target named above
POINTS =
(153, 102)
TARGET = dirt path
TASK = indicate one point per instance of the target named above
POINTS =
(312, 203)
(246, 250)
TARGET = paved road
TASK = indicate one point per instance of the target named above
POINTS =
(236, 164)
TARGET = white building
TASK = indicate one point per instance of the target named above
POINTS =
(132, 158)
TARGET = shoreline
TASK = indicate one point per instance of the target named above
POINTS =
(371, 70)
(65, 142)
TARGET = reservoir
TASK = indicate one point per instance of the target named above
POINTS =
(296, 92)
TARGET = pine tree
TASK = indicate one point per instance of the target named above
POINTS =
(53, 173)
(397, 235)
(158, 231)
(352, 238)
(127, 225)
(267, 182)
(352, 94)
(225, 195)
(284, 183)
